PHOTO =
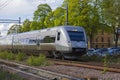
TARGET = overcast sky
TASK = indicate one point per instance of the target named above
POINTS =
(13, 9)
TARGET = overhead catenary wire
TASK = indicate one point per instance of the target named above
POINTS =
(3, 4)
(11, 20)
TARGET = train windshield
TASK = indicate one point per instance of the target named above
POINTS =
(76, 36)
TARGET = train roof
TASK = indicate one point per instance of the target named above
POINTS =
(53, 28)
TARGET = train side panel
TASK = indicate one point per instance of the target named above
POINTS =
(64, 40)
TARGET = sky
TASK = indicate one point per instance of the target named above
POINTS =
(13, 9)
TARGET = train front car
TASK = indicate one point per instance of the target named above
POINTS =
(75, 42)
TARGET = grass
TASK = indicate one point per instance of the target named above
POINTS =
(10, 56)
(20, 57)
(4, 75)
(37, 61)
(3, 55)
(110, 59)
(42, 60)
(105, 64)
(91, 58)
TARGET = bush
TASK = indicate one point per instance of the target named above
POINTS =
(6, 55)
(4, 75)
(10, 56)
(91, 58)
(30, 60)
(3, 55)
(20, 56)
(37, 61)
(114, 59)
(41, 60)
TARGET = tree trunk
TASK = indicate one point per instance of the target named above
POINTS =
(91, 40)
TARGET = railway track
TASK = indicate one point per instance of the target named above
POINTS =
(86, 65)
(32, 73)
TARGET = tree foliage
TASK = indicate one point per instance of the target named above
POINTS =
(93, 15)
(14, 29)
(35, 25)
(110, 13)
(26, 26)
(40, 14)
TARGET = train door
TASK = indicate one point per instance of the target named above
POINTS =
(38, 42)
(58, 37)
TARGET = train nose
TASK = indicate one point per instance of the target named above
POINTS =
(78, 44)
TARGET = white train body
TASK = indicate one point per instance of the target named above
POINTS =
(65, 40)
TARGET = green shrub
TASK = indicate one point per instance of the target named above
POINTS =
(91, 58)
(3, 55)
(5, 75)
(20, 56)
(114, 59)
(105, 61)
(10, 56)
(30, 60)
(41, 60)
(37, 61)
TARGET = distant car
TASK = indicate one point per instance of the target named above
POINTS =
(90, 51)
(115, 51)
(101, 52)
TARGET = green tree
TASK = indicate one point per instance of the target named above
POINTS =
(49, 20)
(55, 18)
(35, 25)
(26, 26)
(84, 13)
(59, 18)
(40, 14)
(111, 15)
(93, 24)
(14, 29)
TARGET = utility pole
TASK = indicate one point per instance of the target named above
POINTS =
(117, 24)
(19, 24)
(67, 12)
(12, 21)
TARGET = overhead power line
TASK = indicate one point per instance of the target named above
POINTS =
(10, 21)
(4, 3)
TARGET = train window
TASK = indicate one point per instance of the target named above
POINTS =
(32, 41)
(49, 39)
(76, 36)
(58, 36)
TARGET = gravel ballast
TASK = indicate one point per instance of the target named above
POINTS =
(80, 72)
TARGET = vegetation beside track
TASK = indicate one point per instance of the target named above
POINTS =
(4, 75)
(109, 59)
(40, 60)
(37, 61)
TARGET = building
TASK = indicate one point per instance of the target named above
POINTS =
(104, 40)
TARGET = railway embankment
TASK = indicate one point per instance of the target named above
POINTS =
(61, 69)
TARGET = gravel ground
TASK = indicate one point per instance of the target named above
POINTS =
(83, 72)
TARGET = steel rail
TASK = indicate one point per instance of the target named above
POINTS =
(78, 64)
(44, 74)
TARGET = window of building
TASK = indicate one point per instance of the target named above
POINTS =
(96, 46)
(108, 39)
(102, 39)
(102, 46)
(96, 39)
(102, 32)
